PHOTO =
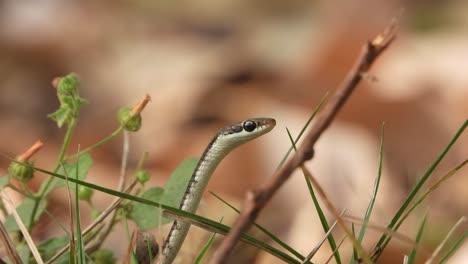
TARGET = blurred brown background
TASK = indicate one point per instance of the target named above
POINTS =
(209, 63)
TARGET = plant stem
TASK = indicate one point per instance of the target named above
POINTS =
(66, 141)
(61, 157)
(103, 141)
(24, 193)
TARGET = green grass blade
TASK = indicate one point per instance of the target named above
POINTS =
(320, 243)
(323, 221)
(439, 248)
(338, 247)
(414, 251)
(314, 113)
(355, 256)
(79, 237)
(206, 247)
(370, 207)
(454, 248)
(426, 194)
(385, 239)
(318, 208)
(265, 231)
(213, 226)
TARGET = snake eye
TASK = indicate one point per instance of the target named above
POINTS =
(249, 126)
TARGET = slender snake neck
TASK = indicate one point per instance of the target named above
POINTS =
(227, 139)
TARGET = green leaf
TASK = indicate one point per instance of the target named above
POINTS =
(68, 84)
(174, 189)
(414, 251)
(24, 253)
(206, 247)
(48, 248)
(4, 180)
(147, 216)
(81, 167)
(81, 101)
(67, 101)
(24, 210)
(60, 116)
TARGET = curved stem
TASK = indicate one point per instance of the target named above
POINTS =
(100, 143)
(16, 189)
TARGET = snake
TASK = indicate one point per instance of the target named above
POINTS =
(226, 140)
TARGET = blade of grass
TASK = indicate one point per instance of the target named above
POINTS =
(414, 251)
(333, 253)
(152, 247)
(216, 227)
(318, 208)
(314, 113)
(431, 189)
(206, 247)
(355, 256)
(72, 257)
(331, 207)
(402, 238)
(384, 239)
(320, 244)
(441, 245)
(79, 237)
(370, 207)
(425, 195)
(8, 244)
(454, 248)
(24, 231)
(264, 230)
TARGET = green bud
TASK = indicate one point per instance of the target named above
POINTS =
(125, 211)
(21, 172)
(84, 193)
(104, 256)
(131, 122)
(68, 84)
(142, 176)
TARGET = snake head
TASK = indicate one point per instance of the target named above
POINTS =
(241, 132)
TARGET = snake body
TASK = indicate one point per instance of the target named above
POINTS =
(227, 139)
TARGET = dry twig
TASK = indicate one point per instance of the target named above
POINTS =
(257, 199)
